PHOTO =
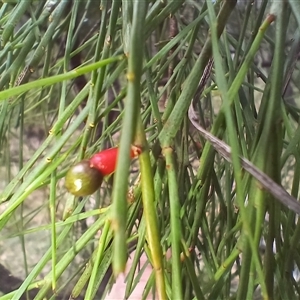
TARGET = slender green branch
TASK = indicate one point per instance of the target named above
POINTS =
(150, 213)
(119, 206)
(55, 79)
(176, 234)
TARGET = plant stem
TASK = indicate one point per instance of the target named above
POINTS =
(119, 205)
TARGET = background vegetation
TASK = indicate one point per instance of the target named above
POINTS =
(184, 80)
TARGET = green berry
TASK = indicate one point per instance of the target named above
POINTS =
(82, 179)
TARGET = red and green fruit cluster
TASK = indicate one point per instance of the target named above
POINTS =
(85, 177)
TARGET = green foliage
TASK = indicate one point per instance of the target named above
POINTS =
(208, 90)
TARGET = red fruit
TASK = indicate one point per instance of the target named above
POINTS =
(105, 161)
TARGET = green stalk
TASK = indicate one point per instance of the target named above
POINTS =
(273, 126)
(52, 207)
(119, 205)
(175, 224)
(55, 79)
(150, 213)
(98, 257)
